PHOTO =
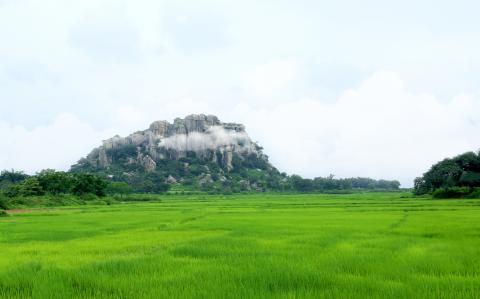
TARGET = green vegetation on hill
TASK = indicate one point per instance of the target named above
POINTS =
(455, 177)
(371, 245)
(201, 153)
(248, 173)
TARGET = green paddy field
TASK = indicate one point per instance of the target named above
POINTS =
(370, 245)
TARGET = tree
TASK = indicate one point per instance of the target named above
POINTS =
(13, 190)
(55, 182)
(31, 187)
(120, 188)
(122, 153)
(3, 203)
(460, 171)
(89, 184)
(161, 187)
(384, 184)
(469, 161)
(300, 184)
(12, 176)
(9, 178)
(420, 186)
(469, 179)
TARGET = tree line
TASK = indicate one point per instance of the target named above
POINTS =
(16, 183)
(51, 182)
(329, 183)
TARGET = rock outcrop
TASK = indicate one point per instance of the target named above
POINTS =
(204, 135)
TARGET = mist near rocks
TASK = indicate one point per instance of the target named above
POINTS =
(213, 138)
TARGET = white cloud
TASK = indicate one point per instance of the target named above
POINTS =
(128, 118)
(267, 79)
(378, 129)
(57, 145)
(106, 40)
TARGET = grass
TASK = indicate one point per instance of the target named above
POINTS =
(371, 245)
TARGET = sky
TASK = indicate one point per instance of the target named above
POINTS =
(373, 88)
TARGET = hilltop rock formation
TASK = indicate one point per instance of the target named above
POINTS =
(203, 135)
(198, 149)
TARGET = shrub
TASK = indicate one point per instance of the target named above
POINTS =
(12, 176)
(31, 187)
(452, 192)
(3, 203)
(3, 214)
(55, 182)
(88, 197)
(118, 188)
(136, 197)
(89, 184)
(13, 190)
(474, 194)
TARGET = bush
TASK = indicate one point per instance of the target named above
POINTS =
(137, 197)
(474, 194)
(3, 203)
(118, 188)
(452, 192)
(31, 187)
(89, 184)
(63, 200)
(12, 176)
(28, 201)
(13, 191)
(88, 197)
(55, 182)
(3, 214)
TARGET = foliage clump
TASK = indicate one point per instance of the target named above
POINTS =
(455, 177)
(248, 173)
(3, 202)
(50, 182)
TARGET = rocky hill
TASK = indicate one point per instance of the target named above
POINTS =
(198, 151)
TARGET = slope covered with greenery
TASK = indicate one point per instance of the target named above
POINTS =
(248, 173)
(202, 153)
